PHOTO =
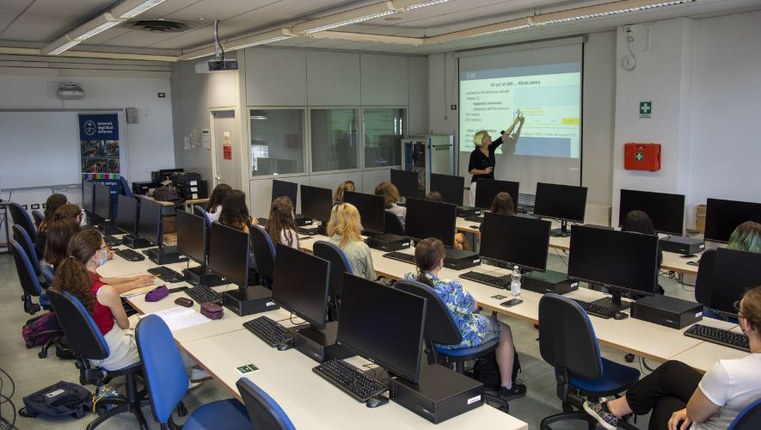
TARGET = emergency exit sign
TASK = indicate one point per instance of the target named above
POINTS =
(645, 109)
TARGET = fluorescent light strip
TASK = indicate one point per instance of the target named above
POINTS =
(363, 37)
(349, 22)
(348, 17)
(604, 10)
(132, 8)
(259, 39)
(407, 5)
(97, 30)
(60, 46)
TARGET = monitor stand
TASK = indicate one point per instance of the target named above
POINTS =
(320, 344)
(250, 300)
(563, 231)
(165, 255)
(613, 302)
(201, 275)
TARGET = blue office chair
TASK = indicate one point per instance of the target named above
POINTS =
(22, 218)
(38, 217)
(124, 188)
(264, 254)
(30, 283)
(87, 343)
(263, 410)
(22, 237)
(200, 211)
(339, 265)
(167, 382)
(394, 224)
(47, 273)
(748, 418)
(440, 330)
(567, 342)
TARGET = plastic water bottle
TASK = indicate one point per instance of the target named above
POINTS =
(515, 281)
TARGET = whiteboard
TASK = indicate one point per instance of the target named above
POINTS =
(40, 149)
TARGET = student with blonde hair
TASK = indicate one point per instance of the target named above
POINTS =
(344, 186)
(345, 229)
(482, 159)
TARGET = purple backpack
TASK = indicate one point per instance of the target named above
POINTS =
(38, 331)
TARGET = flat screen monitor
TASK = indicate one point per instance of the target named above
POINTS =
(450, 187)
(511, 240)
(149, 225)
(620, 260)
(431, 219)
(390, 339)
(665, 210)
(102, 203)
(370, 208)
(126, 216)
(723, 217)
(283, 188)
(407, 183)
(88, 196)
(734, 272)
(303, 291)
(486, 189)
(316, 203)
(228, 253)
(562, 202)
(191, 236)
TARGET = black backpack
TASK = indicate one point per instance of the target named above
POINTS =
(57, 400)
(486, 370)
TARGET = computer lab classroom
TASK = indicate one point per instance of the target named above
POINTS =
(462, 214)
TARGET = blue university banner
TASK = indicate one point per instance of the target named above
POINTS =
(99, 143)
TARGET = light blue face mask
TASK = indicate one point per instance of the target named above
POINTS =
(104, 259)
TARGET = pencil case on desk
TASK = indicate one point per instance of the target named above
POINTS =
(157, 294)
(212, 311)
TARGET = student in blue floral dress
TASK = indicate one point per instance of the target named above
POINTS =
(474, 327)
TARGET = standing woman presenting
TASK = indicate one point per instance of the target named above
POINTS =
(482, 159)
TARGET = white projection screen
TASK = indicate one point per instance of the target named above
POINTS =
(544, 83)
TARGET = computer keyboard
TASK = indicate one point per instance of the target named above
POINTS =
(350, 379)
(400, 256)
(166, 274)
(494, 281)
(129, 255)
(719, 336)
(268, 330)
(203, 294)
(596, 310)
(111, 241)
(475, 218)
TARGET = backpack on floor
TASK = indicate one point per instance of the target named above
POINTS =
(38, 331)
(57, 400)
(486, 370)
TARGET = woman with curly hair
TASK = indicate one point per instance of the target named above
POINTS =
(281, 226)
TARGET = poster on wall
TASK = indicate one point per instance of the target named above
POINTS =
(99, 146)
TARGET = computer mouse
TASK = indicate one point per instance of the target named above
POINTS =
(620, 316)
(183, 301)
(283, 346)
(374, 402)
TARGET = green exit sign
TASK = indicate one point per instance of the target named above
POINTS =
(645, 109)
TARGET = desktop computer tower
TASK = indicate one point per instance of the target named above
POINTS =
(548, 281)
(252, 300)
(165, 255)
(459, 259)
(667, 311)
(388, 242)
(466, 211)
(320, 345)
(682, 245)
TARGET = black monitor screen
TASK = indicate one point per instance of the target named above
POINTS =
(665, 210)
(88, 196)
(102, 204)
(228, 253)
(450, 187)
(288, 189)
(734, 272)
(407, 183)
(515, 240)
(486, 189)
(191, 236)
(563, 202)
(723, 217)
(149, 226)
(303, 291)
(431, 219)
(390, 339)
(316, 203)
(126, 216)
(617, 259)
(370, 208)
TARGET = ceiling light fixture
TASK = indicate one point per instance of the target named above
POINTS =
(603, 10)
(85, 31)
(407, 5)
(363, 37)
(132, 8)
(60, 45)
(501, 27)
(348, 17)
(259, 39)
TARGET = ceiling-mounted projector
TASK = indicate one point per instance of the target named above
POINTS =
(70, 90)
(216, 66)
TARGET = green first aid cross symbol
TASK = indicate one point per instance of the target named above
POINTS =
(639, 156)
(645, 108)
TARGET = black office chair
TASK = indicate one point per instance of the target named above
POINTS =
(339, 265)
(87, 343)
(22, 218)
(748, 418)
(263, 410)
(264, 254)
(394, 224)
(567, 342)
(38, 217)
(440, 330)
(704, 278)
(22, 237)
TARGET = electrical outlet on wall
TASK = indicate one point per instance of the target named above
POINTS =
(44, 205)
(24, 207)
(35, 206)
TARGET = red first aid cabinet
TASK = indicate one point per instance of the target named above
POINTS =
(642, 156)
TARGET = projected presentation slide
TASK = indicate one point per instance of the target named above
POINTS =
(548, 96)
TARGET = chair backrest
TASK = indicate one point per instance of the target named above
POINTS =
(748, 418)
(38, 217)
(566, 338)
(48, 272)
(162, 366)
(22, 237)
(704, 279)
(339, 264)
(264, 254)
(30, 283)
(200, 211)
(22, 218)
(124, 188)
(440, 327)
(84, 337)
(263, 410)
(394, 224)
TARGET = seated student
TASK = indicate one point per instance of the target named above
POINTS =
(502, 204)
(390, 195)
(53, 202)
(72, 211)
(474, 327)
(460, 241)
(712, 400)
(639, 222)
(214, 207)
(746, 237)
(234, 211)
(281, 226)
(344, 186)
(344, 228)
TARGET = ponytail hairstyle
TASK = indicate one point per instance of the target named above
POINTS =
(72, 275)
(53, 202)
(389, 192)
(338, 197)
(281, 223)
(234, 210)
(217, 197)
(746, 237)
(428, 255)
(60, 233)
(345, 222)
(502, 204)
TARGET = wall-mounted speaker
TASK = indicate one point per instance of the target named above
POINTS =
(131, 115)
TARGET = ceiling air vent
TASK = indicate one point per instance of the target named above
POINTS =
(159, 26)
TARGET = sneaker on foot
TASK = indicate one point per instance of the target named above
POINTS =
(601, 414)
(517, 390)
